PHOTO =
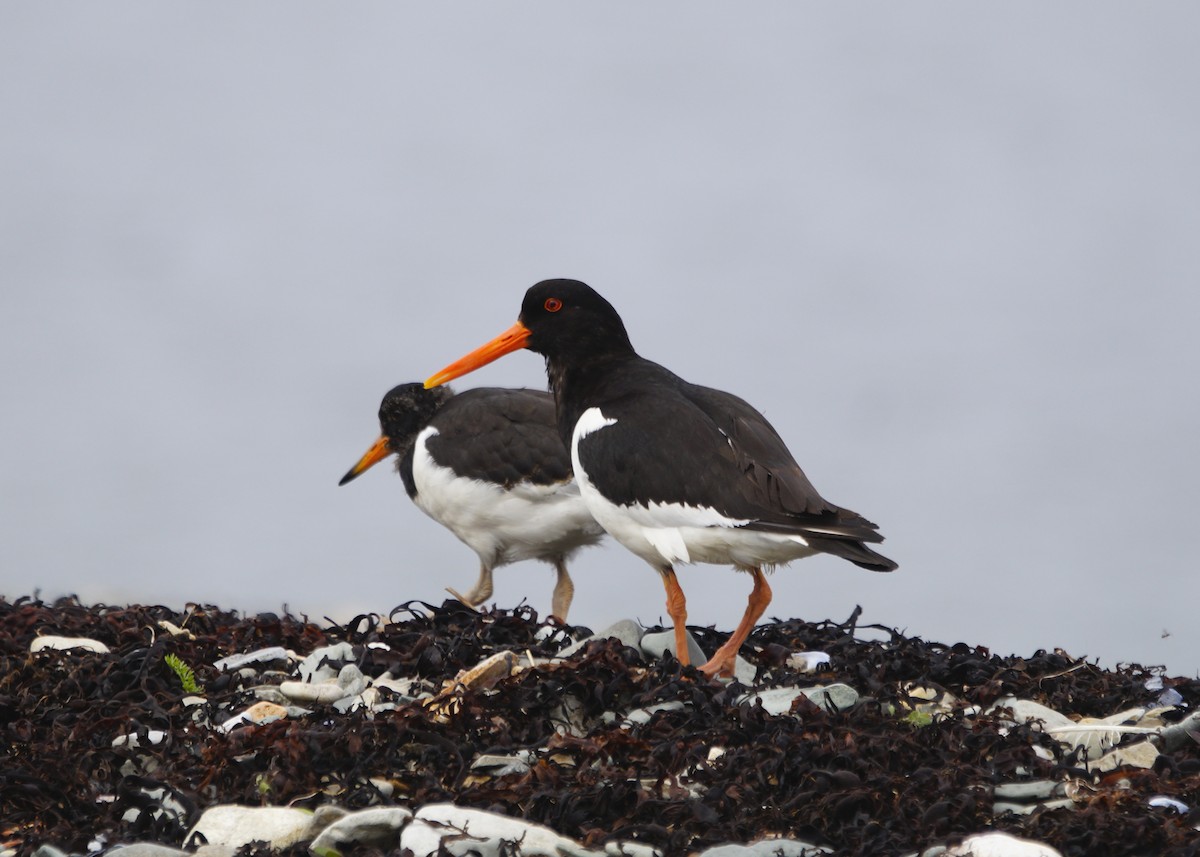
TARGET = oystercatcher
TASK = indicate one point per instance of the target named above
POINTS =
(488, 465)
(674, 471)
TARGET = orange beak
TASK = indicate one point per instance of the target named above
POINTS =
(513, 339)
(377, 453)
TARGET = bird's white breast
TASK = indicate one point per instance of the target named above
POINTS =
(526, 521)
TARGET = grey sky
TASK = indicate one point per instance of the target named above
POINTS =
(949, 250)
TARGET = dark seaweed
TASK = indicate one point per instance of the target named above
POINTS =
(863, 782)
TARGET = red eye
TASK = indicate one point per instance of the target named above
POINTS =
(552, 304)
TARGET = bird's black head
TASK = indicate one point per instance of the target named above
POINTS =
(564, 320)
(570, 323)
(405, 410)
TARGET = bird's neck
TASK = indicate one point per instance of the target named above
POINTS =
(579, 386)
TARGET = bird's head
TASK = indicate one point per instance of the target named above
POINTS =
(565, 320)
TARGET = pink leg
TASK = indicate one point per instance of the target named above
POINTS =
(677, 610)
(721, 663)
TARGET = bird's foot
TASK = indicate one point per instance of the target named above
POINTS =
(718, 666)
(467, 602)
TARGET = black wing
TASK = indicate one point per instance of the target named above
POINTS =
(682, 443)
(503, 436)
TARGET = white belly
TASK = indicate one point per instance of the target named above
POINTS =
(503, 526)
(665, 533)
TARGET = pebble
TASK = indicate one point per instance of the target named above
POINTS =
(258, 713)
(658, 643)
(767, 848)
(50, 641)
(1032, 790)
(270, 655)
(1169, 803)
(779, 700)
(320, 666)
(378, 827)
(443, 828)
(1139, 755)
(236, 826)
(145, 849)
(996, 844)
(500, 766)
(1185, 732)
(627, 631)
(322, 693)
(643, 715)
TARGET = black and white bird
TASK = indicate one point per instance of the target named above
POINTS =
(489, 466)
(674, 471)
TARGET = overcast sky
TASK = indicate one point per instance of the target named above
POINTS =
(950, 250)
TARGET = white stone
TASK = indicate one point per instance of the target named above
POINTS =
(766, 848)
(235, 826)
(314, 667)
(51, 641)
(995, 844)
(323, 692)
(1169, 803)
(643, 715)
(268, 655)
(778, 700)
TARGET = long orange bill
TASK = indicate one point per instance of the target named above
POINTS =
(513, 339)
(377, 453)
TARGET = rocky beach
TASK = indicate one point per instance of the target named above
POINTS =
(150, 731)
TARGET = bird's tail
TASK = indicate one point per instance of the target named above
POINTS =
(854, 551)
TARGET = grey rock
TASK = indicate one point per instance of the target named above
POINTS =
(627, 631)
(766, 848)
(655, 644)
(270, 655)
(379, 827)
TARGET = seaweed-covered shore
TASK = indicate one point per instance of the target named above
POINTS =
(130, 745)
